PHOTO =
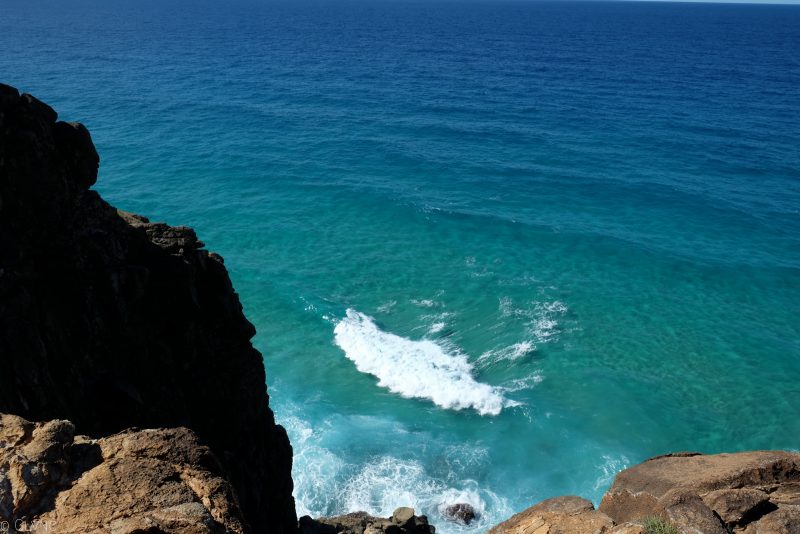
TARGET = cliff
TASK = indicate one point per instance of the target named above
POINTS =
(112, 322)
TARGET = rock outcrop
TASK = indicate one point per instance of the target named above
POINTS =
(112, 322)
(750, 493)
(559, 515)
(403, 521)
(134, 482)
(747, 491)
(462, 513)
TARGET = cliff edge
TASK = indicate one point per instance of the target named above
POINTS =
(112, 322)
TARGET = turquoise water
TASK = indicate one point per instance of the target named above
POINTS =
(494, 252)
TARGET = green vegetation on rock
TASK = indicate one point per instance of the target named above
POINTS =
(658, 525)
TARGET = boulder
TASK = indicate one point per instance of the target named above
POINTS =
(783, 520)
(755, 492)
(687, 511)
(402, 515)
(560, 515)
(709, 494)
(138, 481)
(733, 505)
(403, 521)
(462, 513)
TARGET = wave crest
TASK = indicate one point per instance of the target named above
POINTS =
(415, 369)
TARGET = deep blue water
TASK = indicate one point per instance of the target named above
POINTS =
(495, 251)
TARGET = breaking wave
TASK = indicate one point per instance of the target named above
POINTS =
(415, 369)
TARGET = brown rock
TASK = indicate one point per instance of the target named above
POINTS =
(403, 515)
(784, 520)
(788, 493)
(560, 515)
(363, 523)
(687, 511)
(638, 491)
(136, 481)
(754, 492)
(732, 505)
(628, 528)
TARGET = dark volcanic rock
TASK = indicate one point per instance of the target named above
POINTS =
(403, 521)
(111, 321)
(462, 513)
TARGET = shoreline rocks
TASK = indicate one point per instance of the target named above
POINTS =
(755, 492)
(403, 521)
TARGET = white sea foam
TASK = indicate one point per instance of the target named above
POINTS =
(438, 322)
(544, 329)
(315, 469)
(509, 353)
(325, 484)
(436, 328)
(415, 369)
(541, 317)
(386, 482)
(608, 470)
(387, 306)
(518, 350)
(522, 383)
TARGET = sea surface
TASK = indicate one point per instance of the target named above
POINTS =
(494, 251)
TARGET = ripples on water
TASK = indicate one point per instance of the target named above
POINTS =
(580, 220)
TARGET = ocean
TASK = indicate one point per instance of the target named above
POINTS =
(495, 251)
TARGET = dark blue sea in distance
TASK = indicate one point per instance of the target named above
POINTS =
(495, 251)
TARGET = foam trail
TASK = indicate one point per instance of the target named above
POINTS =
(523, 383)
(608, 470)
(415, 369)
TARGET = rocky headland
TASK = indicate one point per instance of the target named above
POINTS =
(112, 322)
(140, 406)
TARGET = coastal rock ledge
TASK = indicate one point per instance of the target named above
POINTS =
(136, 481)
(749, 493)
(111, 322)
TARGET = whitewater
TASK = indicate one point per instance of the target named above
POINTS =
(416, 369)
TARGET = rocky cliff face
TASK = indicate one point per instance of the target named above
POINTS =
(113, 322)
(749, 493)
